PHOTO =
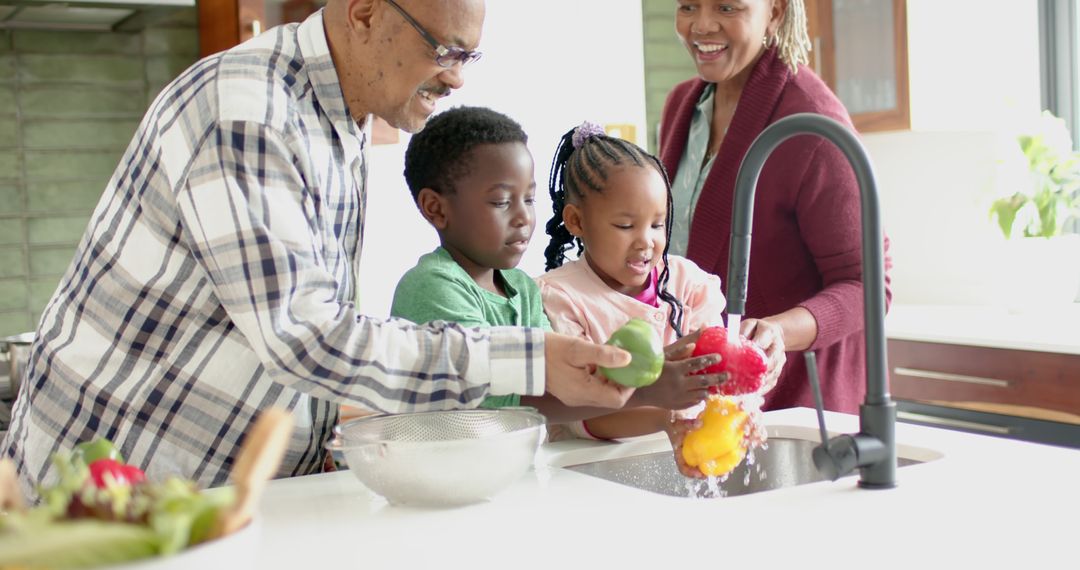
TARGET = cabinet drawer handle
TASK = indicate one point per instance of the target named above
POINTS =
(932, 375)
(948, 422)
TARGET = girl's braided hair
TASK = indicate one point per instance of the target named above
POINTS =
(583, 159)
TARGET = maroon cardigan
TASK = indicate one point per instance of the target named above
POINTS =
(806, 249)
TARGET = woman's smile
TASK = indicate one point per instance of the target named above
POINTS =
(707, 51)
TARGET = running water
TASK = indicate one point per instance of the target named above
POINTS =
(733, 322)
(753, 432)
(755, 437)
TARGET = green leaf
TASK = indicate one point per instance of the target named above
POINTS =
(180, 514)
(1053, 197)
(1005, 210)
(100, 448)
(76, 544)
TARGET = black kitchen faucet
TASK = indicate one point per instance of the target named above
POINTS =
(873, 449)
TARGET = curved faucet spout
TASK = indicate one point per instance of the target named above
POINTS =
(878, 413)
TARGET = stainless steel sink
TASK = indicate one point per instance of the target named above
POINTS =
(785, 462)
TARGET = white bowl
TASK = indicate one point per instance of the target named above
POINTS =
(439, 459)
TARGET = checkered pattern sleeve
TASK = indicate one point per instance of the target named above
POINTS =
(252, 225)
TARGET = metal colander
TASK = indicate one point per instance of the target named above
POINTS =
(441, 458)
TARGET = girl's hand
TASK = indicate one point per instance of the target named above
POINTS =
(678, 387)
(770, 337)
(676, 431)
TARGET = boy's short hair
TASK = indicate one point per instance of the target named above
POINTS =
(436, 156)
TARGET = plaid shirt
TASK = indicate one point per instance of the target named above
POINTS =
(215, 279)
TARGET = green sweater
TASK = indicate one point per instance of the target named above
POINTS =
(438, 289)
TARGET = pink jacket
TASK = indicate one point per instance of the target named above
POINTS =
(578, 303)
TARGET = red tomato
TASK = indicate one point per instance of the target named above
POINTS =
(102, 470)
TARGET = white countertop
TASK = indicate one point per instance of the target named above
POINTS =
(986, 503)
(1044, 329)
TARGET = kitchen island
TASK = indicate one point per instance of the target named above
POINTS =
(984, 503)
(1044, 329)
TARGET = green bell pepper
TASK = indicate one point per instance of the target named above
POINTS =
(641, 340)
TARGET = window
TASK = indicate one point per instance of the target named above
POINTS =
(1059, 63)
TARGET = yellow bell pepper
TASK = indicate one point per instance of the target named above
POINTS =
(718, 446)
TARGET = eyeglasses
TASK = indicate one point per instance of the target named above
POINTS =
(444, 56)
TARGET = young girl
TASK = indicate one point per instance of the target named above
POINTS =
(613, 201)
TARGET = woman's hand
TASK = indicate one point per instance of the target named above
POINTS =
(770, 337)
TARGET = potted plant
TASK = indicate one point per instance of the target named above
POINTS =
(1039, 219)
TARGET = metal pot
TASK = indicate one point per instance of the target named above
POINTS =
(17, 348)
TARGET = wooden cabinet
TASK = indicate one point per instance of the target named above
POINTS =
(225, 23)
(860, 51)
(1015, 389)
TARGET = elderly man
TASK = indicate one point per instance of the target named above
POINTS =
(216, 274)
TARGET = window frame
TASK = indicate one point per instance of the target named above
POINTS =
(822, 32)
(1059, 62)
(1059, 69)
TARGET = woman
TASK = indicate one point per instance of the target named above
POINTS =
(805, 263)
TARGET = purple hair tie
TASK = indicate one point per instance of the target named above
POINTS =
(584, 132)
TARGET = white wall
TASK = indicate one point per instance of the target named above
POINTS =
(974, 80)
(973, 68)
(936, 188)
(549, 65)
(973, 64)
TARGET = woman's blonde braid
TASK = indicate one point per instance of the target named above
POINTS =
(792, 39)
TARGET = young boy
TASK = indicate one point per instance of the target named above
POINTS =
(471, 175)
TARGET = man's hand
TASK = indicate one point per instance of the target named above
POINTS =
(770, 337)
(571, 375)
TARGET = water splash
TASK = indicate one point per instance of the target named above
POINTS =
(755, 437)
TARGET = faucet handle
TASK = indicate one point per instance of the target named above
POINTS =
(838, 456)
(815, 384)
(842, 454)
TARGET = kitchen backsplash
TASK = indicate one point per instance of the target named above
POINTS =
(69, 104)
(666, 61)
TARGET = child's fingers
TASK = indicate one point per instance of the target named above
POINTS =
(679, 351)
(685, 468)
(692, 365)
(705, 381)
